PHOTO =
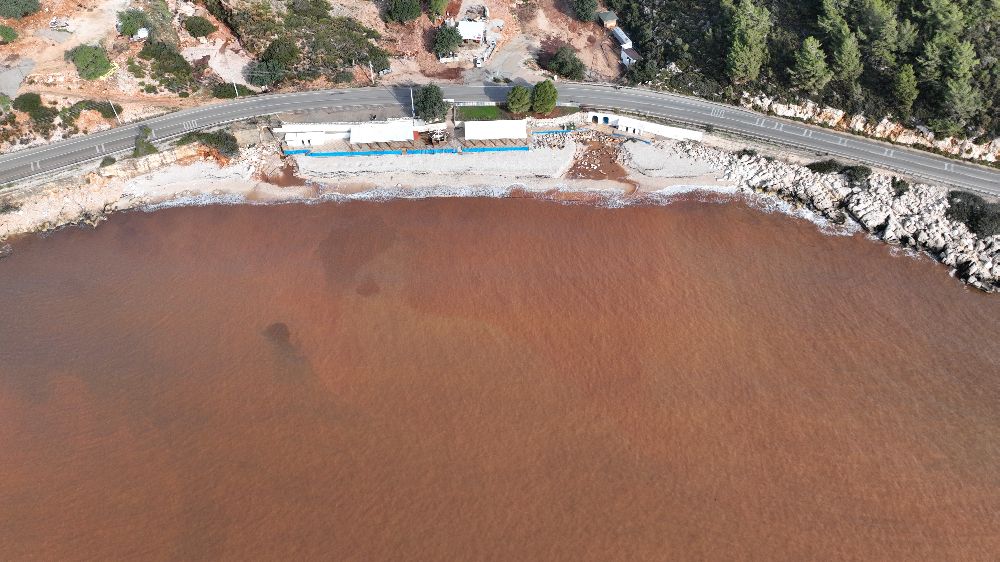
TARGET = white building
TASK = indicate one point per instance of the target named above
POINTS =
(305, 135)
(632, 126)
(392, 131)
(496, 130)
(630, 57)
(472, 30)
(623, 39)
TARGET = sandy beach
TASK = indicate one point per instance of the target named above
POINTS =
(586, 164)
(191, 175)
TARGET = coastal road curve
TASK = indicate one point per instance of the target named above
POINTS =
(45, 159)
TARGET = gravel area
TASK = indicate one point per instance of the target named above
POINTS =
(662, 160)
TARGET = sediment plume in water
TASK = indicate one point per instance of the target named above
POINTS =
(511, 379)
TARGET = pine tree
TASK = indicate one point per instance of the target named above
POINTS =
(942, 16)
(748, 45)
(905, 90)
(811, 72)
(518, 100)
(907, 37)
(544, 97)
(846, 55)
(830, 18)
(584, 10)
(879, 33)
(931, 61)
(961, 98)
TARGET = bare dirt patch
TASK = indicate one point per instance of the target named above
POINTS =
(594, 45)
(600, 159)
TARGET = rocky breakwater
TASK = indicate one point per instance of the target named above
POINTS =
(899, 213)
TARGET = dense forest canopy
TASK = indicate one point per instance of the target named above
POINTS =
(931, 62)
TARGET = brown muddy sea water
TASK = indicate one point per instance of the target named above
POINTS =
(483, 379)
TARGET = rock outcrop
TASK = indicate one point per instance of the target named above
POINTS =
(913, 216)
(885, 129)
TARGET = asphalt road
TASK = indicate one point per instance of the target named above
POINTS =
(58, 155)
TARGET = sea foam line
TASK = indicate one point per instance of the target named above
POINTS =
(604, 198)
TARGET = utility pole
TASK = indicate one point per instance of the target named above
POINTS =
(413, 107)
(117, 118)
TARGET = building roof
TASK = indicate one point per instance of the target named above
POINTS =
(500, 129)
(471, 30)
(632, 54)
(621, 37)
(313, 128)
(607, 17)
(393, 131)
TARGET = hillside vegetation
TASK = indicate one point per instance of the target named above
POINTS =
(933, 62)
(298, 39)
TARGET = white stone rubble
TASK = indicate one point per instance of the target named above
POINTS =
(916, 216)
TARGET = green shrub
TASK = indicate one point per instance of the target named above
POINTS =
(91, 61)
(223, 141)
(856, 174)
(402, 11)
(198, 26)
(276, 60)
(226, 90)
(980, 216)
(107, 161)
(142, 145)
(167, 66)
(7, 34)
(825, 167)
(900, 187)
(437, 7)
(27, 102)
(748, 152)
(135, 69)
(7, 206)
(161, 22)
(446, 40)
(44, 119)
(106, 109)
(429, 104)
(131, 21)
(265, 73)
(584, 10)
(42, 116)
(565, 63)
(17, 8)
